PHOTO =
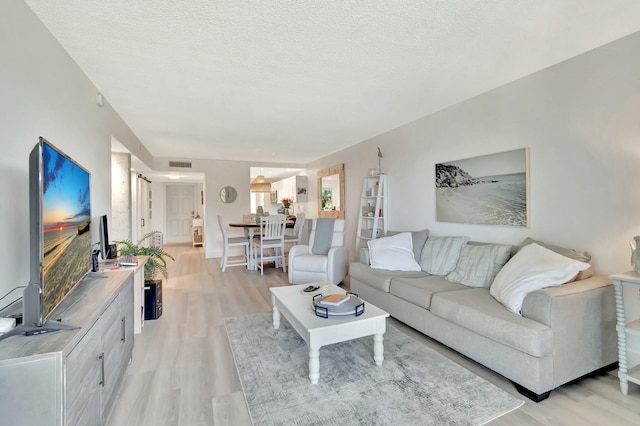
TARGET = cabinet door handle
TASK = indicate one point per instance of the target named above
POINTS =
(123, 338)
(101, 358)
(142, 221)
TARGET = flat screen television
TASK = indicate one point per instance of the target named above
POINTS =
(60, 234)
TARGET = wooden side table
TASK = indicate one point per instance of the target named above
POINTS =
(625, 328)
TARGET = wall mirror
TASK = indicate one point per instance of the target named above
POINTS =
(228, 194)
(331, 192)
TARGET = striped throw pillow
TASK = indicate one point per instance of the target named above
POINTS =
(440, 254)
(479, 264)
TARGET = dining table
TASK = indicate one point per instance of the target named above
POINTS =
(250, 230)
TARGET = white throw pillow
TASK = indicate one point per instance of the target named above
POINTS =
(440, 254)
(393, 253)
(479, 264)
(532, 268)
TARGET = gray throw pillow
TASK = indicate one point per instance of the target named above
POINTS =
(580, 256)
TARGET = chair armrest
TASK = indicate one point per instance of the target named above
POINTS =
(298, 250)
(337, 264)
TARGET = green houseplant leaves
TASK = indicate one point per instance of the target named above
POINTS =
(156, 263)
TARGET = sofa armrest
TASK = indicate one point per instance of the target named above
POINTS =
(364, 256)
(542, 305)
(582, 315)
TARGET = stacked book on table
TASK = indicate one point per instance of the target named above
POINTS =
(334, 299)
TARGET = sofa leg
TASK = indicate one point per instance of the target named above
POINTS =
(530, 394)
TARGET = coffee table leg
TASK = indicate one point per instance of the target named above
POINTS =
(378, 349)
(314, 365)
(276, 314)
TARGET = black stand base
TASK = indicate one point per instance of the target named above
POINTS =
(32, 330)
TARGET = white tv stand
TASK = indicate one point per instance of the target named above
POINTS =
(138, 288)
(71, 377)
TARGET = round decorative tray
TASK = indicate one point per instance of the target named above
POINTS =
(354, 306)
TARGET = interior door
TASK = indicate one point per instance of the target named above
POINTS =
(180, 202)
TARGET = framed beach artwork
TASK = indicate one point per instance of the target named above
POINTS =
(490, 189)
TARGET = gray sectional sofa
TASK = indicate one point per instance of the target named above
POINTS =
(563, 332)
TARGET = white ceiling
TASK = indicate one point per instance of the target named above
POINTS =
(297, 80)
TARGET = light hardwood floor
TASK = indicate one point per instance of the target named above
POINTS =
(183, 374)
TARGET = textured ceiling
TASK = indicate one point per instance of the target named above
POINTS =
(292, 81)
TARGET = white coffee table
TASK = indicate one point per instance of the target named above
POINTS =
(297, 308)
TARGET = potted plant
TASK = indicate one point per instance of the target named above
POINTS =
(156, 262)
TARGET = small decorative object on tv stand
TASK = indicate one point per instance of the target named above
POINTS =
(128, 260)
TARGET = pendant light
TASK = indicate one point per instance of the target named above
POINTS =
(261, 184)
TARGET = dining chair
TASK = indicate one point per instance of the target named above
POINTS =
(229, 242)
(271, 237)
(295, 236)
(249, 218)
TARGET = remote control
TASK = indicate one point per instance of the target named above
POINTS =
(311, 288)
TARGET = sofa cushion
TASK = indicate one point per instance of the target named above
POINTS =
(478, 264)
(581, 256)
(532, 268)
(440, 254)
(476, 310)
(419, 238)
(394, 253)
(419, 291)
(379, 278)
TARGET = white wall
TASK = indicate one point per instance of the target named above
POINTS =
(579, 119)
(44, 93)
(120, 226)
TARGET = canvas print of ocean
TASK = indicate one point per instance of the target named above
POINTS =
(491, 189)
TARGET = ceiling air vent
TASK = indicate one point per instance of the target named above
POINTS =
(182, 164)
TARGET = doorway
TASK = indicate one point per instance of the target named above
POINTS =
(180, 204)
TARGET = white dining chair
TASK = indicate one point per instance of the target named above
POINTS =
(295, 236)
(229, 242)
(271, 238)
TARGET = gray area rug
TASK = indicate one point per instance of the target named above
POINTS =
(414, 386)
